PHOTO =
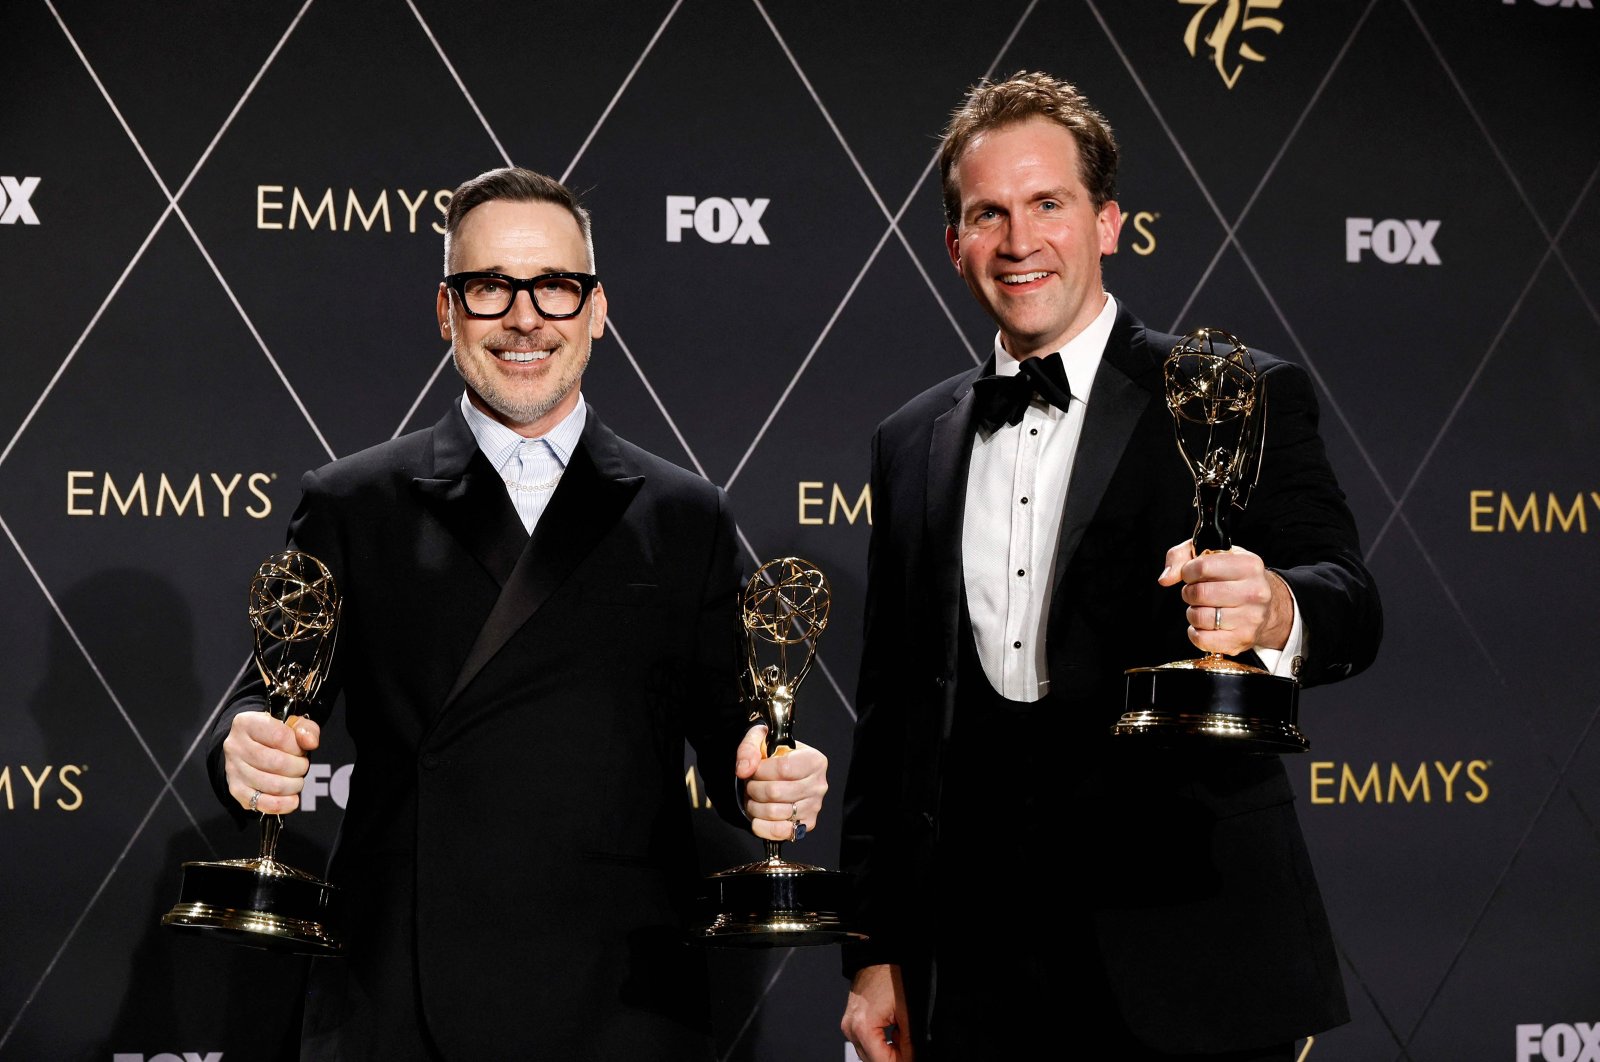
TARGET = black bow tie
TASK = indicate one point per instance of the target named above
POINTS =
(1003, 399)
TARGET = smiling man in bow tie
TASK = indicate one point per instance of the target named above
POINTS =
(1034, 515)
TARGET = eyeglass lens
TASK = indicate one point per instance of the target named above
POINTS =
(552, 295)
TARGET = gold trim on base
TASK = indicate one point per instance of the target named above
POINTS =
(1243, 729)
(776, 924)
(260, 923)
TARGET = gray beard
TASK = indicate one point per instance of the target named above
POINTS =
(513, 411)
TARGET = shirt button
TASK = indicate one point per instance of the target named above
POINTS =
(1033, 431)
(1021, 572)
(1024, 501)
(1016, 645)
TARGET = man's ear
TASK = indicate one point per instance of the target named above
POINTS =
(597, 312)
(441, 310)
(952, 244)
(1109, 223)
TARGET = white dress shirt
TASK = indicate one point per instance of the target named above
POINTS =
(531, 468)
(1016, 494)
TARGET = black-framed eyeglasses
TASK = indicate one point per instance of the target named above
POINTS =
(556, 296)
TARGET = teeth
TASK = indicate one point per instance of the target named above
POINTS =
(522, 357)
(1023, 278)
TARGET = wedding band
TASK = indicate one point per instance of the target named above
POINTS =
(1216, 620)
(255, 795)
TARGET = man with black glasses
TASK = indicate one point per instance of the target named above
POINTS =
(537, 614)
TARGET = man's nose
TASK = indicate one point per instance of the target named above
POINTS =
(523, 314)
(1020, 238)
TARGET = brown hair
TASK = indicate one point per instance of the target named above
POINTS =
(993, 104)
(517, 185)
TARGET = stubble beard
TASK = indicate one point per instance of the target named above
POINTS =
(503, 400)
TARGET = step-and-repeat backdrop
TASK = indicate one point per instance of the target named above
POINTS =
(219, 245)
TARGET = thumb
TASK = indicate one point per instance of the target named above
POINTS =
(1177, 557)
(752, 750)
(307, 734)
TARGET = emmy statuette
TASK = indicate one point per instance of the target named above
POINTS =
(260, 902)
(1218, 404)
(775, 903)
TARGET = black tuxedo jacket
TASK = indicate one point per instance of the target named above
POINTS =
(516, 851)
(1189, 874)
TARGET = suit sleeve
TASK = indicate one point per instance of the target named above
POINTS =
(313, 530)
(1298, 521)
(871, 848)
(716, 718)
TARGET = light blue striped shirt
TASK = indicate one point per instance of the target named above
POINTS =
(531, 468)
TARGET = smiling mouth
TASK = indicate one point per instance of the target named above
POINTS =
(522, 357)
(1024, 278)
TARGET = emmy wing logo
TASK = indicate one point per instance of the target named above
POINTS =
(1230, 21)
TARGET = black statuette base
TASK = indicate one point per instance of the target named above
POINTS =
(258, 903)
(1194, 707)
(775, 904)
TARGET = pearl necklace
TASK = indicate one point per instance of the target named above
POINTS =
(534, 488)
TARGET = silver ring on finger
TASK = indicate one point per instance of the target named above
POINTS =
(255, 795)
(1216, 620)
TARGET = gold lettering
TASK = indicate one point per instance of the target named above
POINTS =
(165, 491)
(5, 787)
(441, 199)
(691, 782)
(806, 501)
(411, 207)
(36, 782)
(351, 203)
(1477, 510)
(227, 491)
(262, 206)
(1373, 784)
(1141, 223)
(1420, 781)
(1529, 513)
(109, 489)
(254, 483)
(1448, 775)
(73, 490)
(77, 793)
(1553, 515)
(297, 206)
(1475, 770)
(863, 501)
(1320, 781)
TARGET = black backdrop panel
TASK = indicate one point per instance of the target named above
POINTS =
(219, 246)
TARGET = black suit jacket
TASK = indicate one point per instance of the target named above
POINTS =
(516, 849)
(1191, 873)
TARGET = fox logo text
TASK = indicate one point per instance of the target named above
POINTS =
(14, 195)
(168, 1056)
(1409, 241)
(716, 220)
(322, 780)
(1559, 1043)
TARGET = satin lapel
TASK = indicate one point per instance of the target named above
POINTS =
(1121, 394)
(470, 499)
(591, 498)
(949, 457)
